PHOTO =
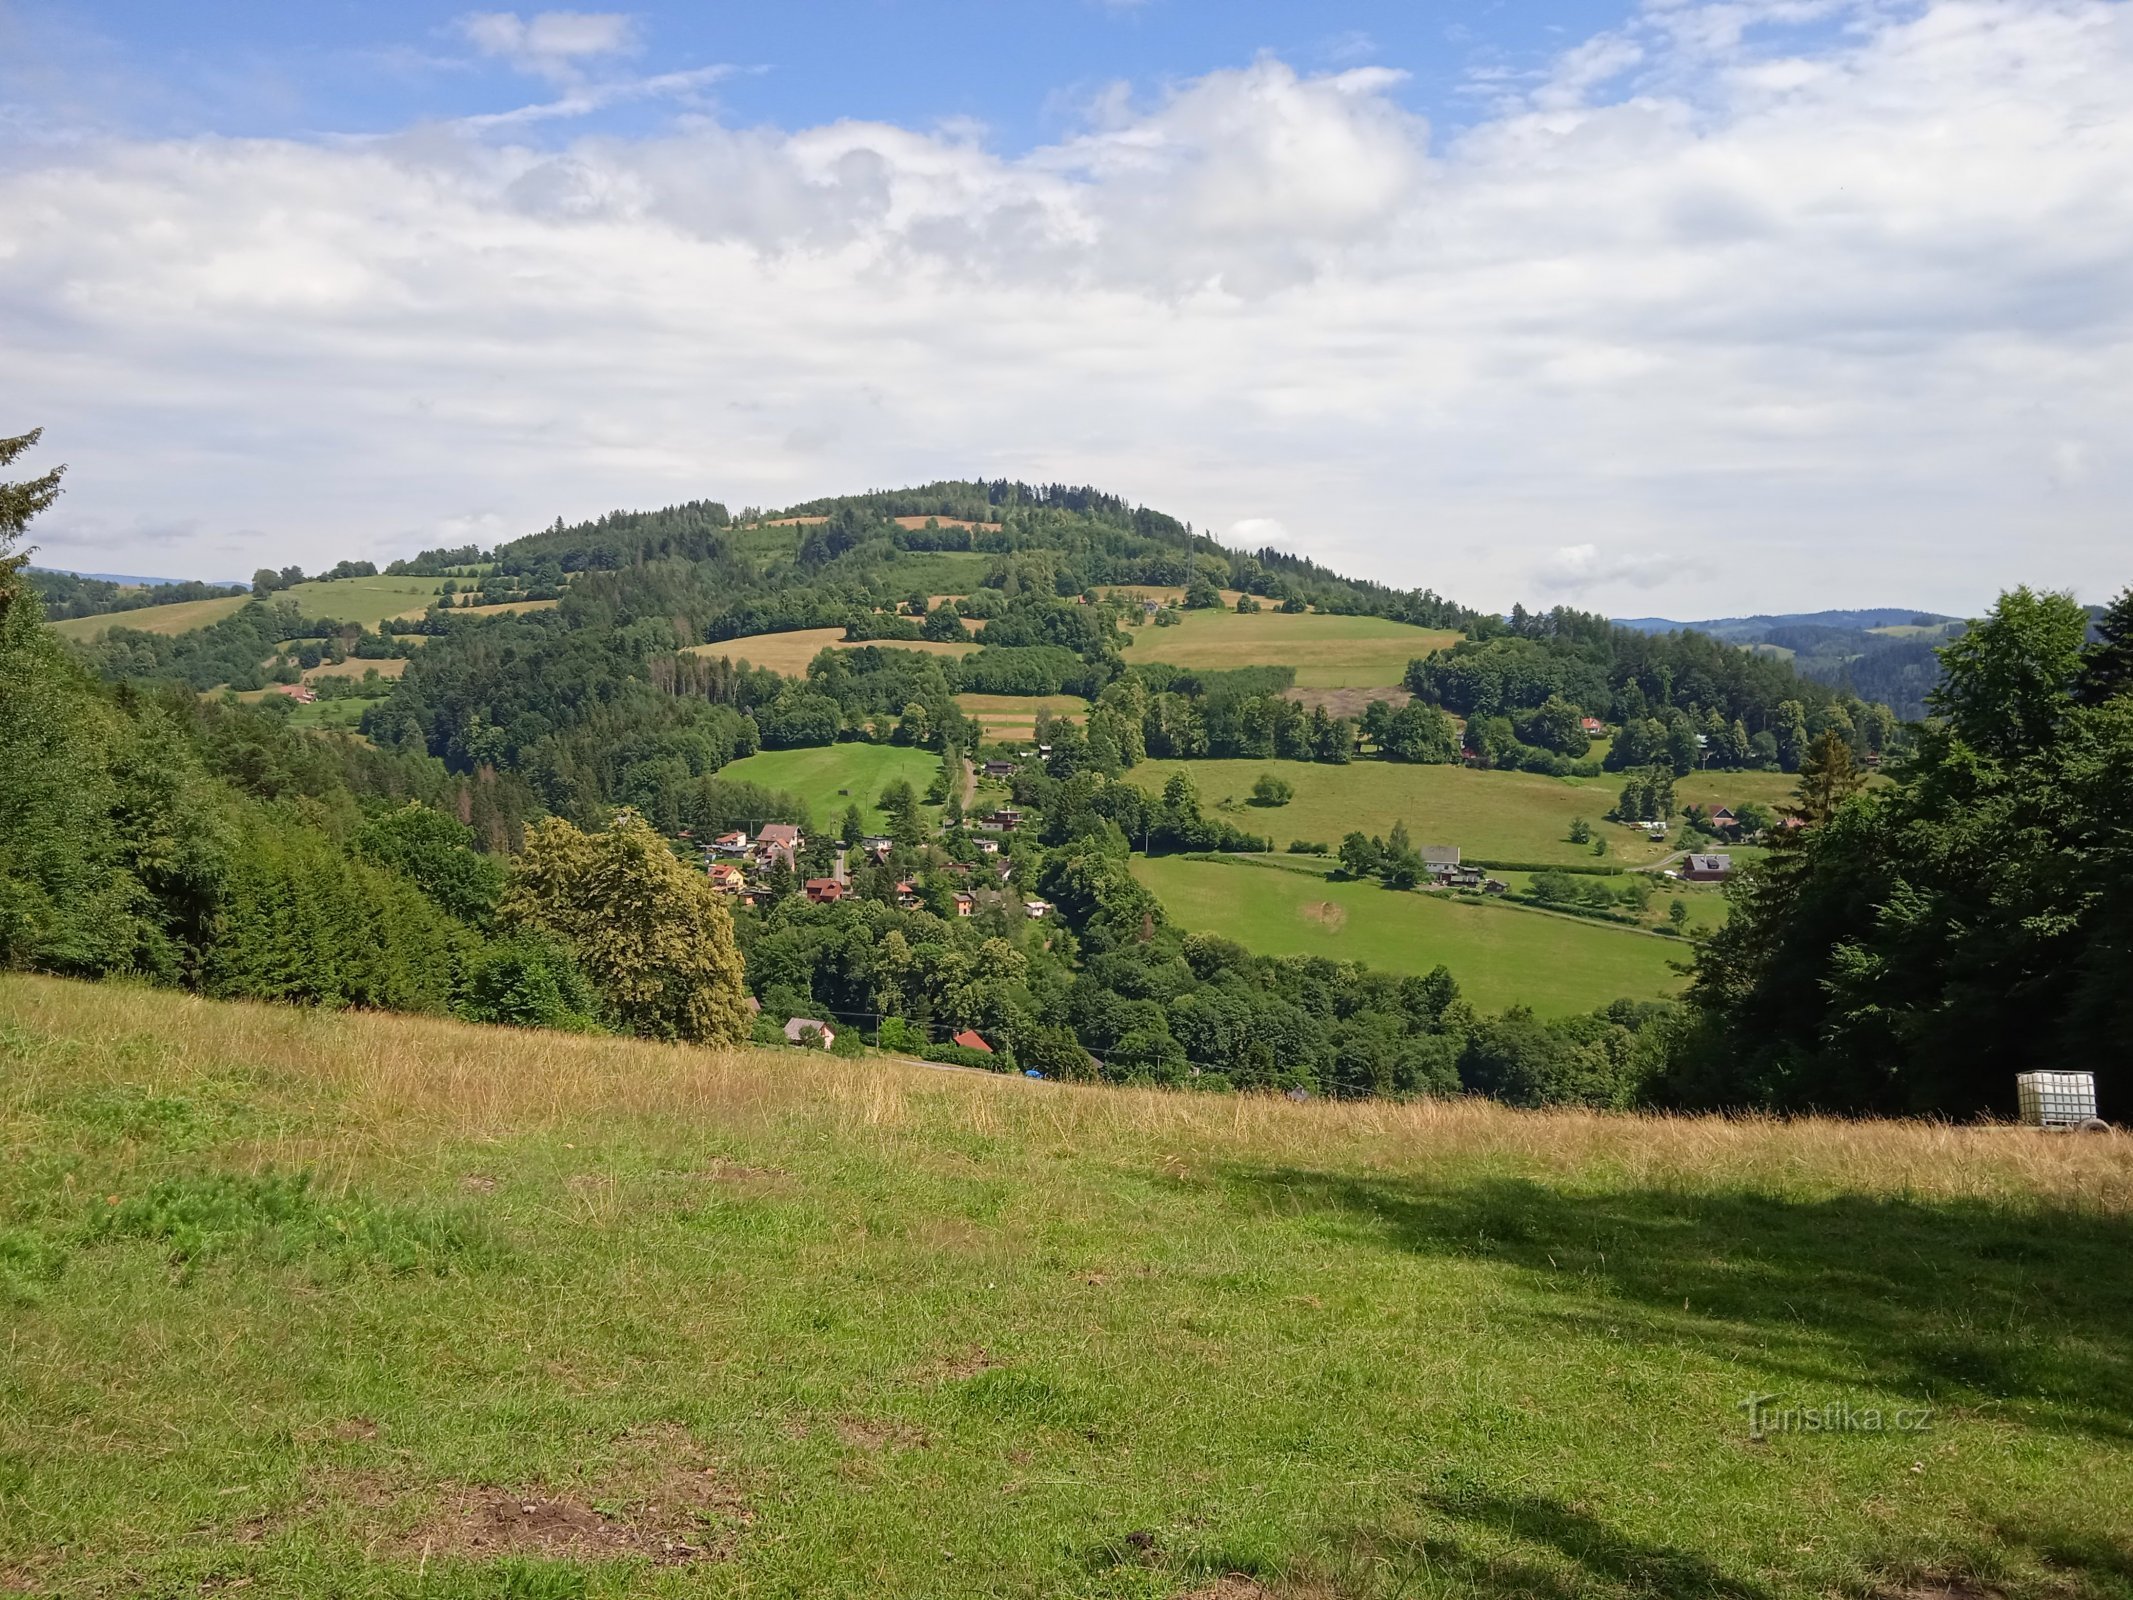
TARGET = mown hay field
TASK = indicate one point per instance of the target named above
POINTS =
(307, 1304)
(179, 617)
(789, 653)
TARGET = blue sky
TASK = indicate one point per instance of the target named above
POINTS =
(1691, 307)
(1020, 69)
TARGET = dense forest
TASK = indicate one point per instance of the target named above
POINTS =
(449, 859)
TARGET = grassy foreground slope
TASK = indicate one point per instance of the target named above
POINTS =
(1502, 955)
(559, 1316)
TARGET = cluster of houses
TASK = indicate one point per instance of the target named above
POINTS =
(822, 1035)
(735, 864)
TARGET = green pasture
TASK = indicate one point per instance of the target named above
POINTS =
(833, 776)
(1502, 955)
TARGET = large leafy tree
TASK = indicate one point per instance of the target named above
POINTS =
(652, 935)
(20, 500)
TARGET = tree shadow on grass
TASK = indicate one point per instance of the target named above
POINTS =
(1957, 1303)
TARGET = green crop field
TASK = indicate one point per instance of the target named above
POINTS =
(307, 1305)
(182, 617)
(1501, 955)
(833, 776)
(1328, 652)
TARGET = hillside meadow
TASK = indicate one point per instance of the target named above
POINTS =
(831, 777)
(1502, 955)
(1328, 652)
(179, 617)
(1504, 816)
(309, 1304)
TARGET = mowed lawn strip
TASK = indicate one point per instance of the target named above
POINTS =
(1328, 652)
(1503, 956)
(831, 777)
(752, 1323)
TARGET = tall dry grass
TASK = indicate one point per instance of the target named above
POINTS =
(397, 1084)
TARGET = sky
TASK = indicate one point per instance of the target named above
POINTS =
(1680, 307)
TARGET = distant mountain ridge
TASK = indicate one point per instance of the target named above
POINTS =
(134, 581)
(1885, 653)
(1722, 627)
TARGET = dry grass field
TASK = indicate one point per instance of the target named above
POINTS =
(304, 1304)
(1014, 716)
(789, 653)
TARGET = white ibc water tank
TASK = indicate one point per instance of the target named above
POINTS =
(2057, 1099)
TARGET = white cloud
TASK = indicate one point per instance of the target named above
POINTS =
(1811, 321)
(1577, 570)
(549, 43)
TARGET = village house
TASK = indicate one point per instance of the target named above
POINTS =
(988, 847)
(999, 769)
(969, 1039)
(1005, 820)
(1593, 726)
(1036, 910)
(302, 694)
(778, 840)
(965, 902)
(1465, 877)
(727, 878)
(907, 895)
(824, 891)
(1723, 817)
(1440, 860)
(731, 844)
(796, 1031)
(1707, 868)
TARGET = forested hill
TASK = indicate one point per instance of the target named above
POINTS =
(621, 693)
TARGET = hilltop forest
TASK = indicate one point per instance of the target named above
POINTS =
(447, 852)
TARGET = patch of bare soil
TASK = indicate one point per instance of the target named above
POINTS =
(739, 1175)
(872, 1434)
(667, 1504)
(479, 1183)
(1328, 914)
(1941, 1589)
(1230, 1586)
(967, 1364)
(1346, 702)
